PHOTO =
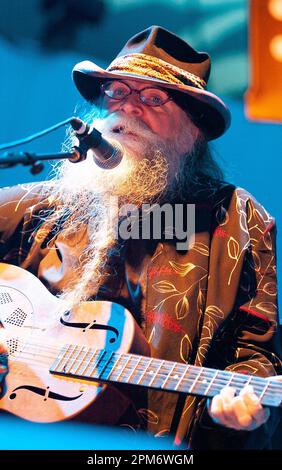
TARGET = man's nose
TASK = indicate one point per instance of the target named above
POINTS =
(131, 105)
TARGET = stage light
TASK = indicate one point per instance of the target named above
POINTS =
(276, 47)
(264, 96)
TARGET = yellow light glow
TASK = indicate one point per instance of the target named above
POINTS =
(275, 9)
(275, 47)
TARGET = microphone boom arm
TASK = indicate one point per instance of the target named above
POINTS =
(9, 160)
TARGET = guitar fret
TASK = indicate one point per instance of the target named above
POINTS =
(272, 396)
(65, 364)
(75, 354)
(228, 384)
(218, 380)
(192, 383)
(107, 367)
(181, 378)
(195, 380)
(74, 360)
(120, 374)
(248, 381)
(173, 380)
(107, 361)
(145, 371)
(119, 369)
(115, 368)
(134, 369)
(129, 370)
(264, 390)
(95, 363)
(168, 375)
(81, 362)
(211, 383)
(88, 362)
(140, 371)
(162, 374)
(61, 357)
(155, 374)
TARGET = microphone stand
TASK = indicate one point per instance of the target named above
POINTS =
(9, 160)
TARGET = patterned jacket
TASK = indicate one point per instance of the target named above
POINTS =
(213, 305)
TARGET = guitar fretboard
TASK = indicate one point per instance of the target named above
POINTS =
(107, 366)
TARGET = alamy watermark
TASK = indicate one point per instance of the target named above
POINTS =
(166, 222)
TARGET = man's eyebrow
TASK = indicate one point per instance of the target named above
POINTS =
(133, 83)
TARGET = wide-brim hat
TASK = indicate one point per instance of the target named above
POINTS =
(159, 57)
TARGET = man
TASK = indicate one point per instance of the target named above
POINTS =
(213, 304)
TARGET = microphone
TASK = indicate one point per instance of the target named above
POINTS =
(107, 153)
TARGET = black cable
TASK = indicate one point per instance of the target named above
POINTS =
(32, 137)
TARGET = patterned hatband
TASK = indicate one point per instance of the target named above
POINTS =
(149, 66)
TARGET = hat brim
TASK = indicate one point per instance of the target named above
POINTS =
(215, 117)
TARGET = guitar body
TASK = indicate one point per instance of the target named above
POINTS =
(37, 325)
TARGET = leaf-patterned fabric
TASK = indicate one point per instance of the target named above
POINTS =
(214, 305)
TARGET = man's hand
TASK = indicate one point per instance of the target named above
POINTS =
(243, 412)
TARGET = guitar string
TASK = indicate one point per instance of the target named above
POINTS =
(267, 398)
(163, 375)
(157, 362)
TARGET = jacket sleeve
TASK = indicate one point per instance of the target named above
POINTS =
(256, 339)
(251, 343)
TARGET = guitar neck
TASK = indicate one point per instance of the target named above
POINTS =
(106, 366)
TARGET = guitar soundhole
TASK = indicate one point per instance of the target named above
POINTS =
(16, 308)
(17, 318)
(12, 345)
(5, 298)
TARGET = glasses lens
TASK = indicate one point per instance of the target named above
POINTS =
(154, 96)
(116, 90)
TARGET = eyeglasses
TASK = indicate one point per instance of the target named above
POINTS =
(150, 96)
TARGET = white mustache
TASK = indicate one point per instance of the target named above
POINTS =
(128, 125)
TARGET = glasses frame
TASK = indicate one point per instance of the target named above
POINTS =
(136, 91)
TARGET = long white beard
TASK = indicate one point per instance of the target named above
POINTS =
(86, 189)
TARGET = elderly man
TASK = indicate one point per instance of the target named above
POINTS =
(212, 304)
